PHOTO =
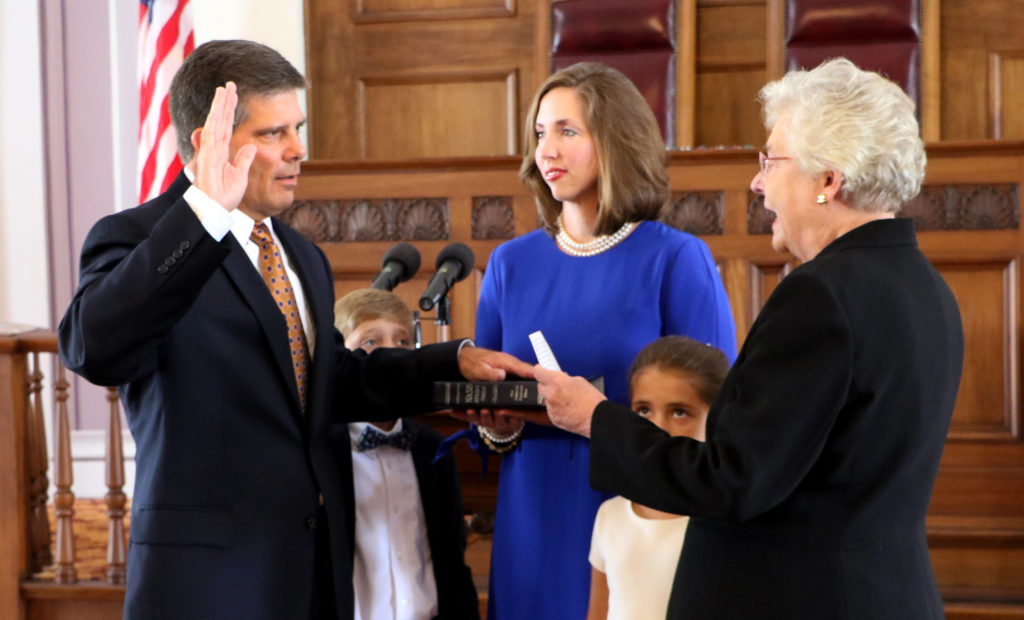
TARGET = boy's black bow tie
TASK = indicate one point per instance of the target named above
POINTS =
(372, 437)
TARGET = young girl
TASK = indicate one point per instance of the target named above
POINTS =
(635, 549)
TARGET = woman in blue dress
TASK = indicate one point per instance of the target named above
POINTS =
(600, 279)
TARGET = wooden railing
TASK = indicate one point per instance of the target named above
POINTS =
(37, 564)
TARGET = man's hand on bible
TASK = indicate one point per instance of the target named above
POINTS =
(478, 364)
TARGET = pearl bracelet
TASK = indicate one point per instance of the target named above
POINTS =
(498, 443)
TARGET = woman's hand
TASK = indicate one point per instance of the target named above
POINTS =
(570, 400)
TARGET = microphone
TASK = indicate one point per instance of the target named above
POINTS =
(399, 264)
(453, 264)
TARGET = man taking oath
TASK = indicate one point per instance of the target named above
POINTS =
(216, 322)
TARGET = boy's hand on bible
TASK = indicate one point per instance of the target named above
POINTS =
(528, 415)
(497, 422)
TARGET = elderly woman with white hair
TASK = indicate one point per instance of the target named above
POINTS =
(808, 498)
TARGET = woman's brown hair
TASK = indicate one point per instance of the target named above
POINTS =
(633, 180)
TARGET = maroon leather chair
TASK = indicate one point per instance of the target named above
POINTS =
(637, 37)
(877, 35)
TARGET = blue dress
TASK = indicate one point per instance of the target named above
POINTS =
(596, 312)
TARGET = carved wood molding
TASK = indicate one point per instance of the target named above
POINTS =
(698, 213)
(493, 217)
(965, 207)
(367, 12)
(759, 219)
(371, 219)
(993, 206)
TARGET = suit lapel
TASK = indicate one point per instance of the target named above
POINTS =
(254, 291)
(252, 288)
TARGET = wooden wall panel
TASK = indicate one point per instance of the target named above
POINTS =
(1006, 80)
(972, 33)
(727, 108)
(60, 609)
(395, 10)
(434, 68)
(438, 116)
(973, 573)
(960, 72)
(987, 402)
(730, 34)
(764, 277)
(989, 500)
(972, 62)
(731, 68)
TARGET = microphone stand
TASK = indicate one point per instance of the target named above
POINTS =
(443, 319)
(417, 330)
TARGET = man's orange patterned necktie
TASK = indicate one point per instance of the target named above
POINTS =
(271, 265)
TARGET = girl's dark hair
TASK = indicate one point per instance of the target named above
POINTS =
(705, 364)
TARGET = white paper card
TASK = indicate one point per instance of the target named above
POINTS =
(544, 355)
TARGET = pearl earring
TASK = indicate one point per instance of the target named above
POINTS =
(822, 199)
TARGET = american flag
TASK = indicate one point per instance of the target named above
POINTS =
(165, 38)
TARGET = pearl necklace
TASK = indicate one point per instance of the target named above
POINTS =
(594, 246)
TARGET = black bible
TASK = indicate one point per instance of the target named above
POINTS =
(509, 394)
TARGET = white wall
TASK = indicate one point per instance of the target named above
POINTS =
(24, 280)
(92, 144)
(277, 23)
(25, 287)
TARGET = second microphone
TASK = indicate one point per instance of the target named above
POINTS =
(454, 263)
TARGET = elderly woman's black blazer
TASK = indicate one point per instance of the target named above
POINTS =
(809, 496)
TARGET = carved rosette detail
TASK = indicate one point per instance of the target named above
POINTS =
(698, 213)
(362, 221)
(311, 218)
(989, 207)
(937, 207)
(493, 217)
(759, 219)
(391, 219)
(965, 207)
(927, 209)
(424, 219)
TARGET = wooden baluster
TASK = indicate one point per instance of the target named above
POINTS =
(36, 466)
(115, 496)
(64, 499)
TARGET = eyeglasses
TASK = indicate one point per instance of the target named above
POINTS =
(763, 160)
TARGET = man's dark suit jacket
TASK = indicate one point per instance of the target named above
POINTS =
(229, 470)
(441, 494)
(809, 496)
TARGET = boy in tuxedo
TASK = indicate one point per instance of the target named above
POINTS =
(408, 529)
